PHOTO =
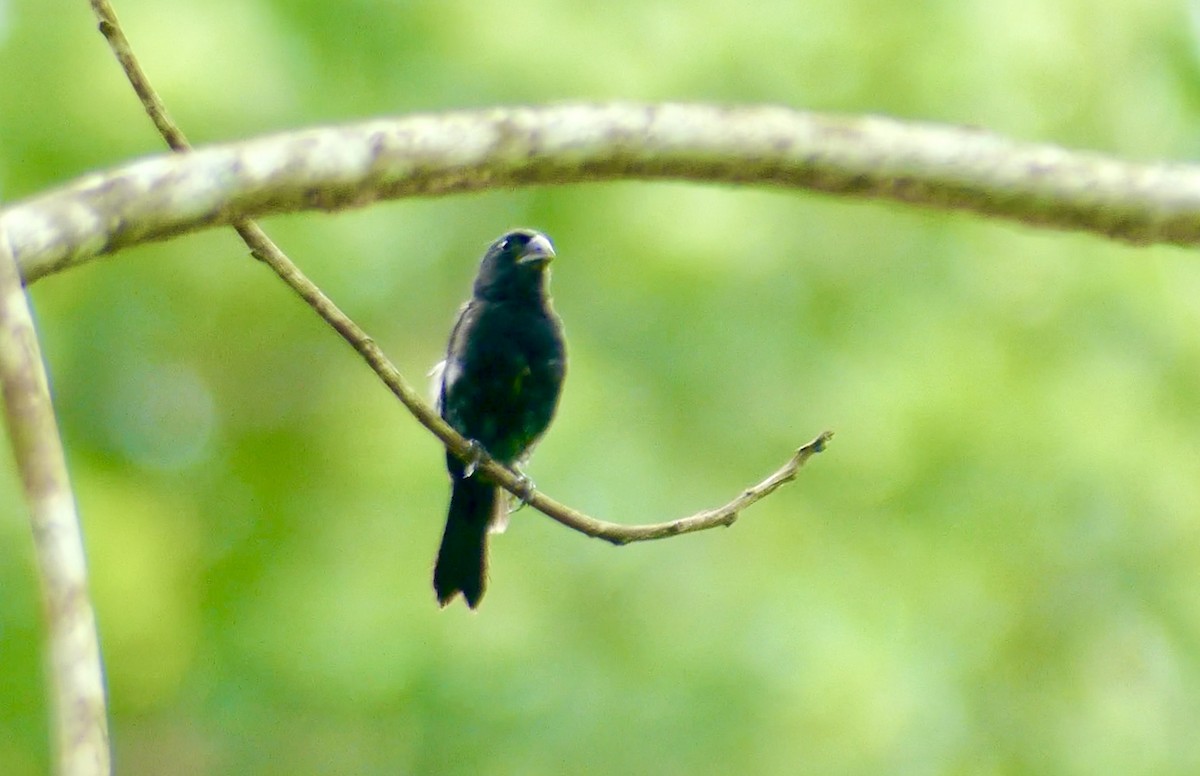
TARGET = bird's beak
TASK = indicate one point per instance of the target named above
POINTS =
(537, 251)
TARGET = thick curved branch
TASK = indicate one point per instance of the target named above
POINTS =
(80, 724)
(339, 167)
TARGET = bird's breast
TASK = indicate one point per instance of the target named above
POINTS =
(503, 376)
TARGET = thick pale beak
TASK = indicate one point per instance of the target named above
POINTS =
(537, 251)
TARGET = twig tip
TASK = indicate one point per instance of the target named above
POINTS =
(818, 444)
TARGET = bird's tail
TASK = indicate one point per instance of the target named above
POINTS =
(462, 559)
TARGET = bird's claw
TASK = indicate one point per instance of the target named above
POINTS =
(526, 487)
(474, 456)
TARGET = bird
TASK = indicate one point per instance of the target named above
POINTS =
(499, 387)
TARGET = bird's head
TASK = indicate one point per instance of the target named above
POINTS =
(515, 266)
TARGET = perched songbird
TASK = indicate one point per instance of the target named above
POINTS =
(499, 387)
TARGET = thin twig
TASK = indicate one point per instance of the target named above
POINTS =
(156, 109)
(710, 518)
(78, 709)
(266, 251)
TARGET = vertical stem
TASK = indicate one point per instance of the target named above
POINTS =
(80, 720)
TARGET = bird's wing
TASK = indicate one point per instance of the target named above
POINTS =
(448, 370)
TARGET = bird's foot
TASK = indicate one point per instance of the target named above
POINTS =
(474, 456)
(518, 502)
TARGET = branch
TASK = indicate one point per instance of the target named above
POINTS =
(77, 686)
(110, 28)
(424, 155)
(710, 518)
(265, 250)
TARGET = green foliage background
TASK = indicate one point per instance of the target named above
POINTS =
(994, 569)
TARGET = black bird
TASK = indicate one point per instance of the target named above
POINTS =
(499, 387)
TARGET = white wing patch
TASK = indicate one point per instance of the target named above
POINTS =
(442, 378)
(435, 384)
